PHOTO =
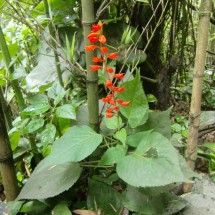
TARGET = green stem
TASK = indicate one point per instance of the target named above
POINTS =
(92, 77)
(51, 32)
(10, 68)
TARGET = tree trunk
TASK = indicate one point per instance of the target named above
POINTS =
(195, 107)
(92, 77)
(6, 162)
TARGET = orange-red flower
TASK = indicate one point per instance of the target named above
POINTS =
(95, 67)
(90, 48)
(106, 99)
(118, 89)
(116, 108)
(102, 39)
(112, 55)
(119, 101)
(125, 103)
(104, 50)
(109, 83)
(97, 59)
(112, 102)
(109, 115)
(93, 37)
(119, 76)
(109, 69)
(97, 27)
(109, 110)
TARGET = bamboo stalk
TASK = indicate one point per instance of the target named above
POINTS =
(195, 107)
(92, 77)
(51, 32)
(6, 162)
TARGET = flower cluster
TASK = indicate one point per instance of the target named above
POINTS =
(100, 62)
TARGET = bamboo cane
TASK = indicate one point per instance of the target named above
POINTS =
(195, 107)
(6, 162)
(92, 77)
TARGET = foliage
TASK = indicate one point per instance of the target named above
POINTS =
(63, 165)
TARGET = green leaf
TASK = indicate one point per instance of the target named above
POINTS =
(121, 135)
(56, 92)
(38, 109)
(105, 197)
(14, 136)
(67, 111)
(163, 125)
(138, 200)
(113, 122)
(61, 210)
(154, 163)
(210, 146)
(76, 144)
(48, 134)
(137, 112)
(50, 181)
(38, 99)
(134, 139)
(36, 207)
(112, 155)
(14, 206)
(33, 125)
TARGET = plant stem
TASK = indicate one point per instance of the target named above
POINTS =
(92, 77)
(195, 107)
(51, 32)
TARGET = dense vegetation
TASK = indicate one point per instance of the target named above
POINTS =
(95, 100)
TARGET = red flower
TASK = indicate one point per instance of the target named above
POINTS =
(112, 55)
(118, 89)
(97, 27)
(104, 50)
(90, 48)
(125, 103)
(95, 67)
(97, 59)
(102, 39)
(110, 96)
(109, 110)
(105, 100)
(119, 101)
(110, 70)
(112, 102)
(109, 115)
(93, 37)
(116, 108)
(109, 84)
(119, 76)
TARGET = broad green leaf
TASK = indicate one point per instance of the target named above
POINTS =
(154, 163)
(38, 109)
(76, 144)
(138, 200)
(38, 99)
(35, 207)
(134, 139)
(207, 118)
(137, 112)
(106, 179)
(113, 155)
(113, 122)
(67, 111)
(33, 125)
(2, 2)
(14, 206)
(48, 134)
(163, 125)
(61, 209)
(50, 181)
(121, 135)
(105, 197)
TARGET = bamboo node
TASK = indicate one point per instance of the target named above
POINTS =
(88, 23)
(92, 81)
